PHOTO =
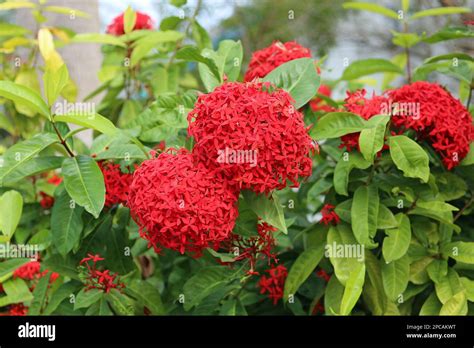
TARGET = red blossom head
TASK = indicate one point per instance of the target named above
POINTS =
(28, 271)
(252, 134)
(17, 310)
(55, 180)
(96, 279)
(442, 120)
(182, 205)
(329, 215)
(267, 59)
(46, 200)
(143, 21)
(273, 284)
(117, 183)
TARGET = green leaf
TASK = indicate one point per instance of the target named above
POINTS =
(129, 20)
(364, 214)
(353, 289)
(468, 285)
(333, 296)
(54, 82)
(469, 159)
(16, 291)
(371, 139)
(341, 242)
(206, 281)
(418, 270)
(152, 40)
(440, 11)
(369, 66)
(366, 6)
(8, 266)
(122, 304)
(437, 270)
(122, 152)
(66, 11)
(343, 169)
(84, 182)
(377, 298)
(24, 96)
(66, 223)
(39, 296)
(17, 155)
(450, 33)
(448, 286)
(460, 251)
(432, 306)
(298, 77)
(385, 219)
(406, 40)
(63, 292)
(343, 209)
(232, 307)
(231, 55)
(95, 121)
(200, 35)
(86, 298)
(11, 208)
(319, 187)
(396, 244)
(148, 294)
(105, 39)
(268, 209)
(33, 166)
(303, 266)
(192, 54)
(395, 277)
(337, 124)
(456, 305)
(11, 5)
(409, 157)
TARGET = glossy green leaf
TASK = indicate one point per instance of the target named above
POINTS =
(448, 286)
(66, 223)
(396, 244)
(129, 20)
(353, 289)
(11, 208)
(105, 39)
(84, 182)
(298, 77)
(364, 214)
(337, 124)
(440, 11)
(395, 277)
(54, 82)
(269, 209)
(409, 157)
(371, 139)
(94, 121)
(456, 305)
(24, 96)
(343, 169)
(370, 7)
(369, 66)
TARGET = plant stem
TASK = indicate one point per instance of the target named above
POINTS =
(467, 205)
(407, 52)
(186, 33)
(469, 97)
(62, 140)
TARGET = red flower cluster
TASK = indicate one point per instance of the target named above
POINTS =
(55, 180)
(329, 215)
(31, 271)
(359, 104)
(267, 59)
(101, 280)
(442, 119)
(251, 133)
(18, 309)
(256, 247)
(323, 275)
(46, 201)
(143, 21)
(274, 283)
(181, 205)
(117, 183)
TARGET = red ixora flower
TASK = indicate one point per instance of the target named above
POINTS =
(101, 280)
(274, 283)
(46, 200)
(143, 21)
(117, 183)
(18, 309)
(268, 58)
(323, 275)
(357, 103)
(442, 119)
(182, 205)
(31, 271)
(329, 215)
(55, 180)
(252, 134)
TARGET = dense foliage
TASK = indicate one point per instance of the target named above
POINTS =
(211, 189)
